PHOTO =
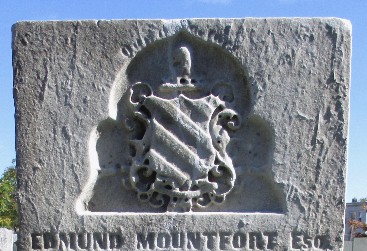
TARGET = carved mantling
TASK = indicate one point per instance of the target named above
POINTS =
(183, 137)
(179, 158)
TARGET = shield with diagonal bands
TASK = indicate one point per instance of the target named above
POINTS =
(179, 160)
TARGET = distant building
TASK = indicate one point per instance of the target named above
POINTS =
(354, 211)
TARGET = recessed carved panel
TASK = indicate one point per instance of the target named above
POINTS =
(181, 136)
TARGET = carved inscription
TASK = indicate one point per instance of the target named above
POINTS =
(77, 241)
(207, 240)
(301, 241)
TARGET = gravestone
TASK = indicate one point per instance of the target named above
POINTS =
(193, 134)
(6, 239)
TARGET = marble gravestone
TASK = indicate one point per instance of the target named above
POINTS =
(193, 134)
(6, 239)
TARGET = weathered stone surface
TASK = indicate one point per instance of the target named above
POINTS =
(208, 134)
(6, 239)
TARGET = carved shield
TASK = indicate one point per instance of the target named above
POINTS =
(178, 155)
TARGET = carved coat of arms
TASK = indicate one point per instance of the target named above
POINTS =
(178, 143)
(181, 136)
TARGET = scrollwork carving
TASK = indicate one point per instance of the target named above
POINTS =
(165, 170)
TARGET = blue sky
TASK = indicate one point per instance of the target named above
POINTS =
(12, 11)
